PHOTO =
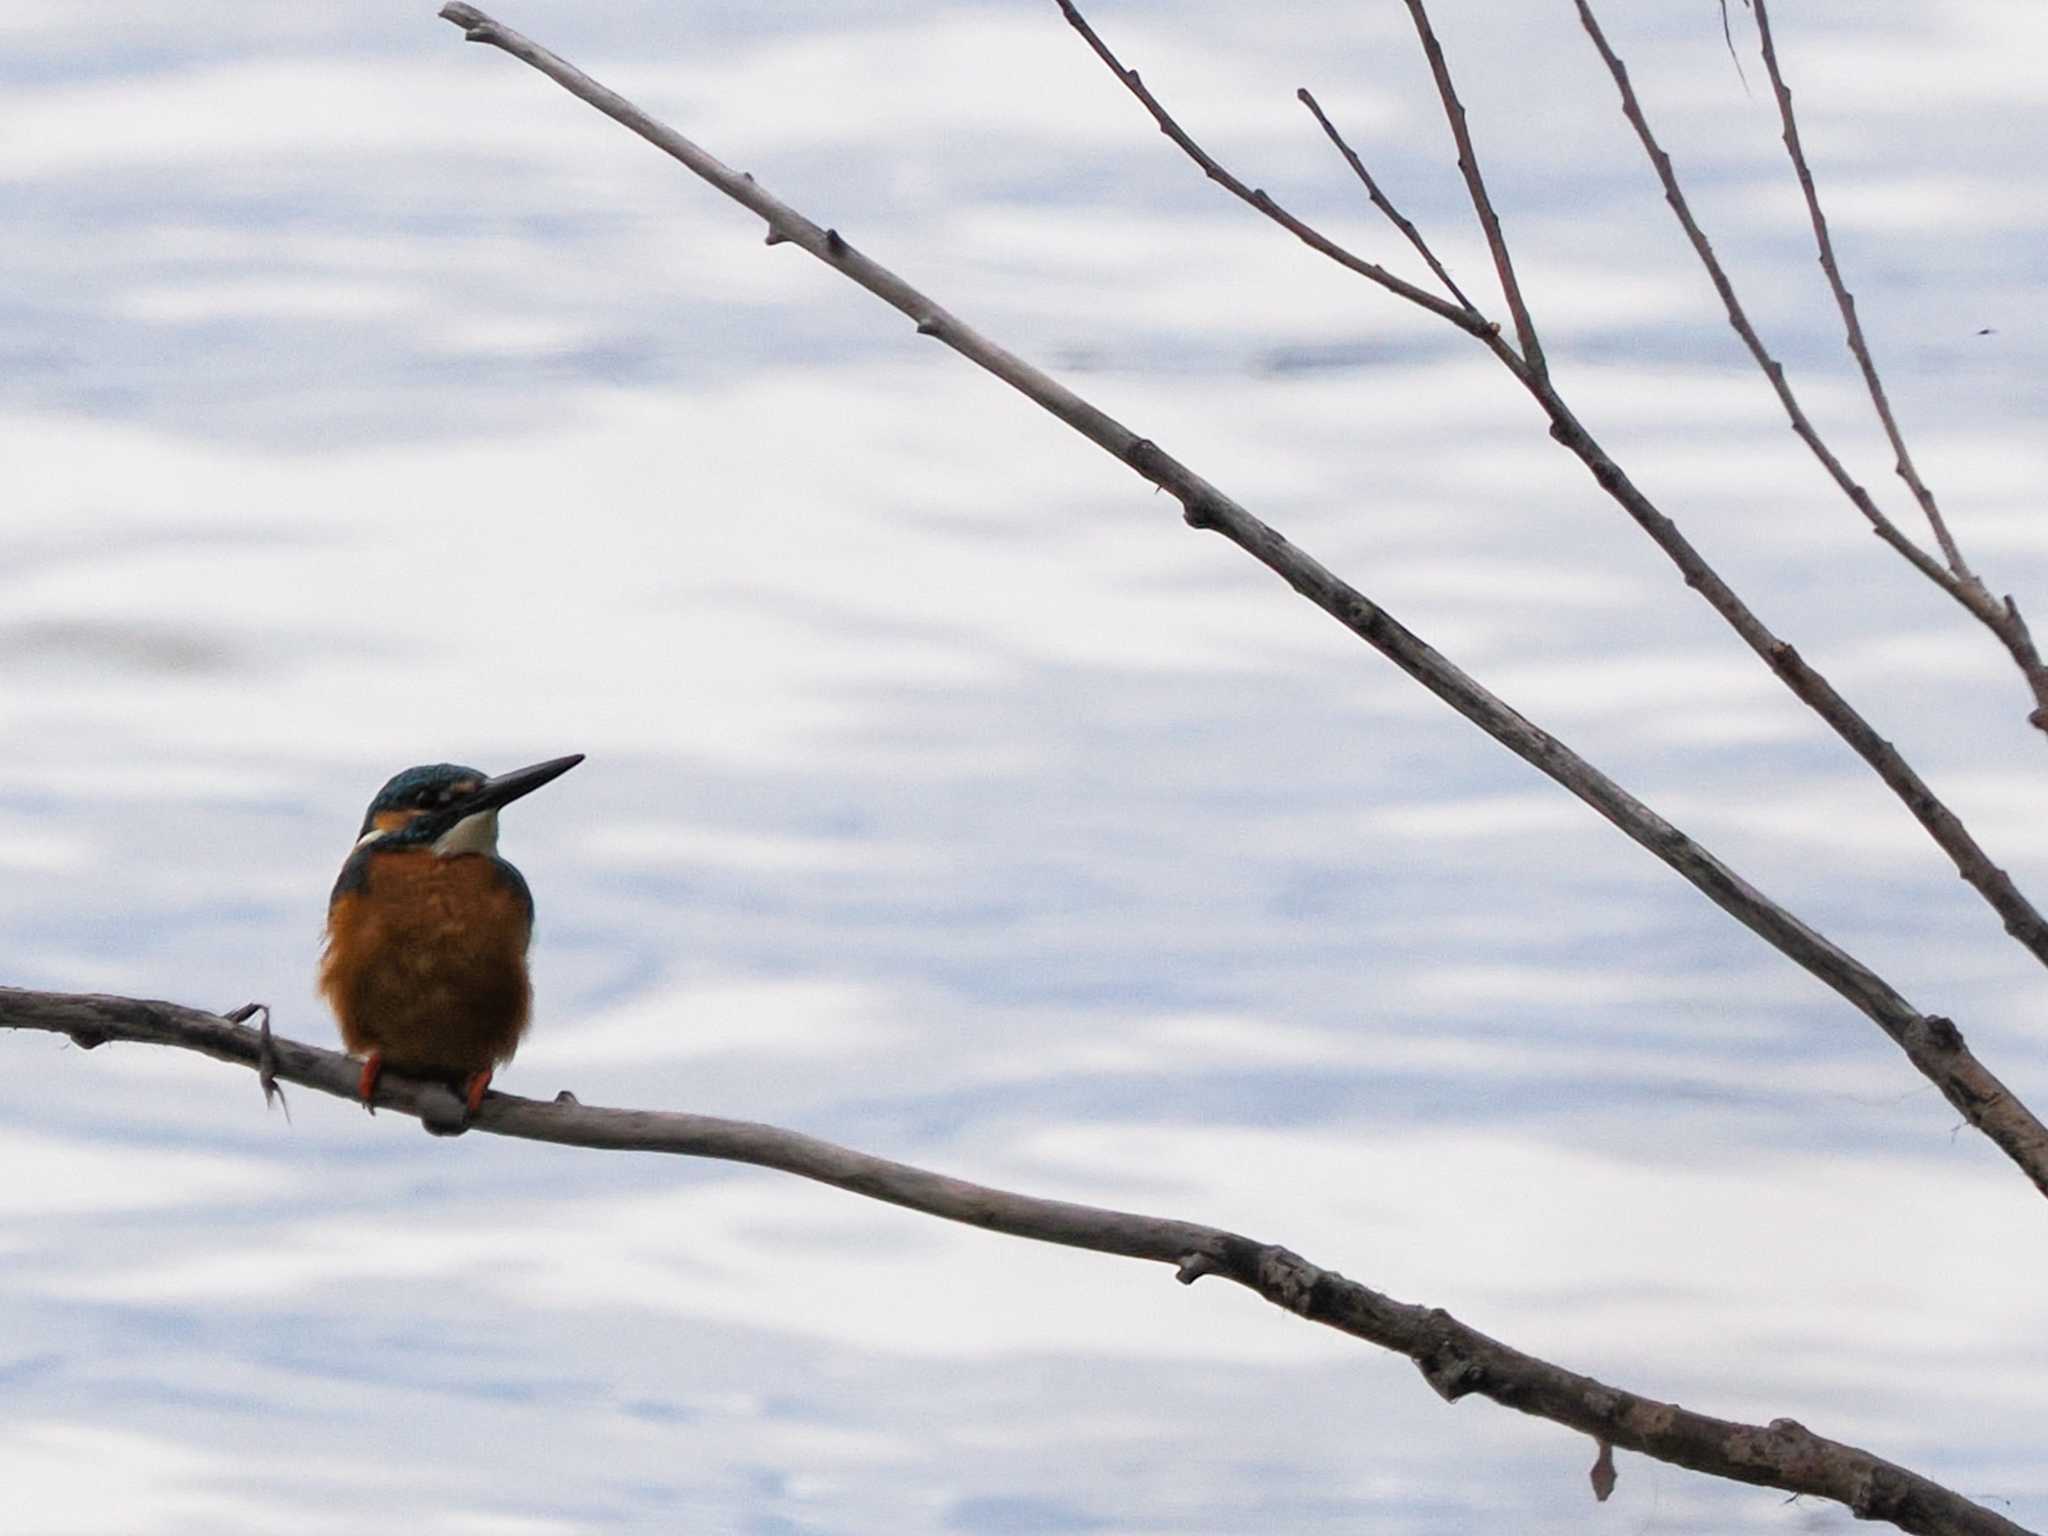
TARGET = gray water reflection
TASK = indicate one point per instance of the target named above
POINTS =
(363, 404)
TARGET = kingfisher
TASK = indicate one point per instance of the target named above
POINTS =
(427, 930)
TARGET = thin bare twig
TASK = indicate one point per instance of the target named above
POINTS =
(266, 1055)
(2021, 918)
(1728, 42)
(1475, 185)
(1456, 1360)
(1844, 301)
(1379, 199)
(1956, 579)
(1933, 1044)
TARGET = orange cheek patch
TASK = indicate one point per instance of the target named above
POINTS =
(391, 821)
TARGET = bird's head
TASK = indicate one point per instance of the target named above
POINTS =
(449, 808)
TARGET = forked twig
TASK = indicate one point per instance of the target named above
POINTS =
(1843, 300)
(2003, 619)
(1738, 317)
(1379, 199)
(1455, 1359)
(1463, 316)
(1932, 1043)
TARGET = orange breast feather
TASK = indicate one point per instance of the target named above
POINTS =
(426, 962)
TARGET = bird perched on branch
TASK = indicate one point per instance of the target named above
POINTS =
(427, 930)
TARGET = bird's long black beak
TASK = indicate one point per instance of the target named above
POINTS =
(507, 787)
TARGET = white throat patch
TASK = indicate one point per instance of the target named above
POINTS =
(472, 834)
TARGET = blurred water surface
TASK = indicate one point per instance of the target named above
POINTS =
(367, 401)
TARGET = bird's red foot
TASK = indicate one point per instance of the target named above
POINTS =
(473, 1096)
(366, 1085)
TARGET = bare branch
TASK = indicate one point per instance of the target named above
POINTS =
(1379, 199)
(1844, 301)
(1475, 184)
(1956, 579)
(1455, 1360)
(1631, 108)
(2021, 918)
(1933, 1044)
(1465, 318)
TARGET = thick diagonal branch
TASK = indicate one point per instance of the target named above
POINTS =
(1456, 1360)
(1934, 1045)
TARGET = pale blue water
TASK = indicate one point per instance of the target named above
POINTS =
(365, 401)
